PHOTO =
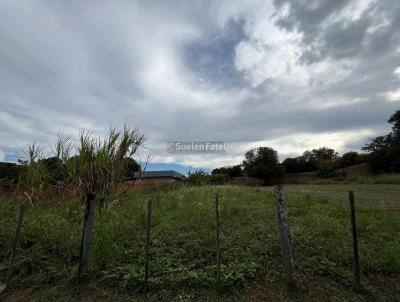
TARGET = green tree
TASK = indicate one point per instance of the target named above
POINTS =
(262, 162)
(131, 167)
(320, 154)
(349, 159)
(9, 172)
(326, 169)
(311, 160)
(297, 165)
(219, 178)
(384, 151)
(233, 171)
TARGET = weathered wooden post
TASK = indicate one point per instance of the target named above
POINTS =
(86, 233)
(357, 268)
(284, 237)
(217, 249)
(148, 240)
(22, 209)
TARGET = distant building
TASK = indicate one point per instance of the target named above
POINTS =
(158, 176)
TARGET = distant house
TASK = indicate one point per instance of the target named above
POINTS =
(158, 176)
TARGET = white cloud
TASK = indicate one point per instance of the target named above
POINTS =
(288, 145)
(393, 96)
(355, 9)
(269, 53)
(73, 65)
(397, 71)
(273, 54)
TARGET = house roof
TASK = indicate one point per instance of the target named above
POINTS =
(159, 174)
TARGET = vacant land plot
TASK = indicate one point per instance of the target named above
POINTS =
(384, 196)
(182, 264)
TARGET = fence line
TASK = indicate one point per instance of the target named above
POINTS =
(357, 269)
(22, 209)
(283, 232)
(284, 237)
(86, 234)
(217, 249)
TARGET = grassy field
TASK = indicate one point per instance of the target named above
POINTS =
(383, 196)
(182, 266)
(380, 179)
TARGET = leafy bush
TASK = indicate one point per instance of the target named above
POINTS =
(326, 169)
(219, 178)
(350, 158)
(198, 178)
(9, 172)
(233, 171)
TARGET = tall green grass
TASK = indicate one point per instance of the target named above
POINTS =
(368, 179)
(183, 246)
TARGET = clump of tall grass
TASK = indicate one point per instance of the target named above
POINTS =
(93, 165)
(33, 177)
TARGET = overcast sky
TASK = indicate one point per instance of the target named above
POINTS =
(293, 75)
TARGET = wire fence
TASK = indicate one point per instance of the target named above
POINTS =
(389, 201)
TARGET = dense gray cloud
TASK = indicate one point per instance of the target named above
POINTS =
(212, 57)
(290, 74)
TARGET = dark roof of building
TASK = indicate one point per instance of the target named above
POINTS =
(159, 174)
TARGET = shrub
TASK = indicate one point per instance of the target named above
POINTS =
(199, 177)
(326, 169)
(219, 179)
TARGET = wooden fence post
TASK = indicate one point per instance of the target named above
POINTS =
(86, 233)
(22, 209)
(357, 268)
(217, 249)
(284, 237)
(148, 240)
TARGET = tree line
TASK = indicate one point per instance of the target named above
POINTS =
(381, 153)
